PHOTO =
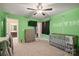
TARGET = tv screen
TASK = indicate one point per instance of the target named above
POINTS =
(32, 23)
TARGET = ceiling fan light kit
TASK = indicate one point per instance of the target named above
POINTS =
(39, 9)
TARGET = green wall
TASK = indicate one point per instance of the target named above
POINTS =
(2, 24)
(66, 22)
(23, 23)
(39, 20)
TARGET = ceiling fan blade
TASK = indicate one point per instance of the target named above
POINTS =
(30, 9)
(34, 13)
(43, 13)
(49, 9)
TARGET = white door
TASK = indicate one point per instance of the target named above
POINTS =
(39, 29)
(12, 28)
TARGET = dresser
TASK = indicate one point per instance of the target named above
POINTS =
(29, 35)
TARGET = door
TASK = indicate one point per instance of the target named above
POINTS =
(46, 27)
(39, 29)
(12, 28)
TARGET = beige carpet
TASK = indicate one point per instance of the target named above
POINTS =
(37, 48)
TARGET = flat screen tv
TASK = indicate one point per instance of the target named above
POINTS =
(32, 23)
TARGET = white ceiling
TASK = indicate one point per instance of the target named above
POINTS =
(21, 8)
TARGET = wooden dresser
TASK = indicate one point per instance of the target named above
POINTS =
(29, 35)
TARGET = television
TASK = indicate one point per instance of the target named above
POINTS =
(32, 23)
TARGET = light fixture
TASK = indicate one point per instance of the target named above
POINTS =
(39, 11)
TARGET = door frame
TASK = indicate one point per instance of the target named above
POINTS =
(39, 29)
(7, 26)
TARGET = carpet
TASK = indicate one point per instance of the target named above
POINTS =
(37, 48)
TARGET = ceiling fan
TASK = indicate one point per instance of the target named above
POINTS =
(40, 9)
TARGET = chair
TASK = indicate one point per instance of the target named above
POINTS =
(10, 44)
(3, 47)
